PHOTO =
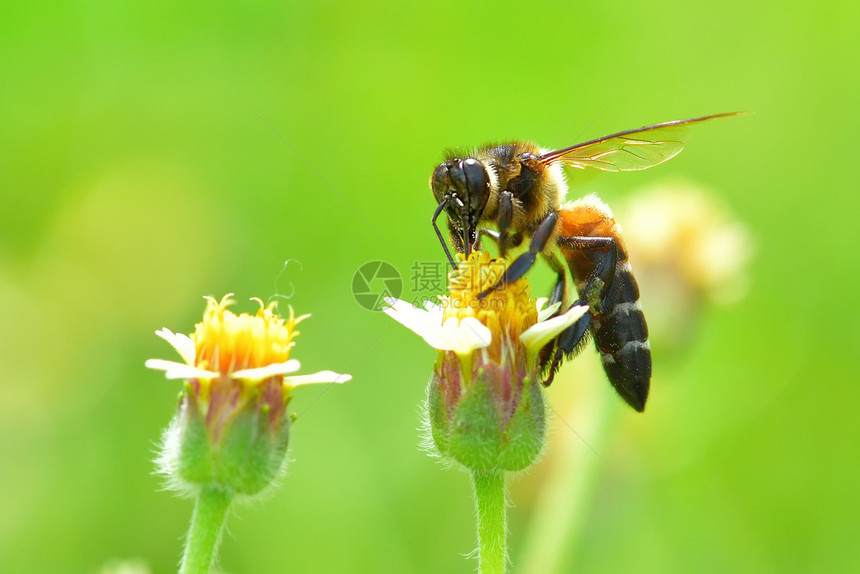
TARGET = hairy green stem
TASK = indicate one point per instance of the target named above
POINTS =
(204, 535)
(492, 521)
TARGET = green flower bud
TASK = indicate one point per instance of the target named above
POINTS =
(497, 422)
(240, 446)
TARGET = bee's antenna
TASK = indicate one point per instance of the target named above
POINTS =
(439, 233)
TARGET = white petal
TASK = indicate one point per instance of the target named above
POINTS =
(460, 336)
(174, 370)
(539, 334)
(182, 343)
(261, 373)
(436, 312)
(425, 324)
(544, 314)
(321, 377)
(465, 336)
(400, 311)
(406, 313)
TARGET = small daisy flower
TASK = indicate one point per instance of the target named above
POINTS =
(232, 428)
(485, 399)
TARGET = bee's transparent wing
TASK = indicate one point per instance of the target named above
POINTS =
(629, 150)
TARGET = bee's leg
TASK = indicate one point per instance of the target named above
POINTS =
(524, 262)
(571, 340)
(494, 235)
(439, 233)
(559, 291)
(568, 343)
(597, 285)
(506, 216)
(514, 240)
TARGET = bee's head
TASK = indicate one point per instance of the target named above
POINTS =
(463, 187)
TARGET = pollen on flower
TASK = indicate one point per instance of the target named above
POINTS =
(508, 310)
(227, 343)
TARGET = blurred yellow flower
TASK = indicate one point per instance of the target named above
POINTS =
(689, 251)
(681, 229)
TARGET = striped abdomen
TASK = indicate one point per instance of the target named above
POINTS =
(618, 326)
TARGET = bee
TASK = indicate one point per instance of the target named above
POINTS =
(520, 189)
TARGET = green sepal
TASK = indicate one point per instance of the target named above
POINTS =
(244, 459)
(477, 440)
(476, 431)
(526, 430)
(438, 413)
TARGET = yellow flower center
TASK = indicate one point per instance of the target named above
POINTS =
(507, 311)
(226, 342)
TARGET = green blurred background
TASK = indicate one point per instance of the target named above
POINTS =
(150, 155)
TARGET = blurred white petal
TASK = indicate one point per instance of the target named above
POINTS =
(544, 314)
(182, 343)
(425, 324)
(539, 334)
(461, 336)
(174, 370)
(260, 373)
(320, 377)
(465, 336)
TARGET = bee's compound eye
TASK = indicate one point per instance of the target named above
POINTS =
(478, 183)
(440, 182)
(476, 176)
